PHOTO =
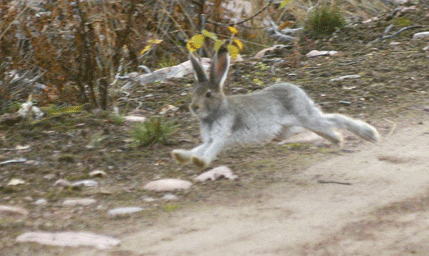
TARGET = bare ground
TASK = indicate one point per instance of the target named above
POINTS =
(382, 210)
(375, 201)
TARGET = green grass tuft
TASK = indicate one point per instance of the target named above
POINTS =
(325, 20)
(152, 131)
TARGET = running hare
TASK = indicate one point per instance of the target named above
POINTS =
(256, 117)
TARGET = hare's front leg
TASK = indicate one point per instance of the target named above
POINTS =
(209, 154)
(184, 156)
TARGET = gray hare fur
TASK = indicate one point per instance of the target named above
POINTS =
(256, 117)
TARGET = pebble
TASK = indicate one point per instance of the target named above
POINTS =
(79, 201)
(69, 239)
(97, 173)
(217, 173)
(149, 199)
(170, 197)
(344, 77)
(62, 183)
(124, 210)
(167, 185)
(316, 53)
(85, 183)
(28, 198)
(15, 182)
(135, 119)
(421, 35)
(50, 176)
(12, 210)
(41, 201)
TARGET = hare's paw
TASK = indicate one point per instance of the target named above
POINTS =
(199, 162)
(340, 143)
(181, 156)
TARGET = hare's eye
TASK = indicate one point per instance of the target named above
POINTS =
(208, 94)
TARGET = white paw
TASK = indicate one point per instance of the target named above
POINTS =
(199, 162)
(180, 156)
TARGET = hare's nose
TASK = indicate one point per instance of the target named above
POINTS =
(195, 108)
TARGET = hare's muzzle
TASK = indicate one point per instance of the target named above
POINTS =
(195, 108)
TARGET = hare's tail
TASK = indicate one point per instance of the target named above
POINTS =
(360, 128)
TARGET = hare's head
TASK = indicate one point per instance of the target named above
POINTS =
(208, 97)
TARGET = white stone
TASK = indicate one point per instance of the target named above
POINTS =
(124, 210)
(97, 173)
(86, 183)
(41, 201)
(79, 201)
(69, 239)
(316, 53)
(12, 210)
(15, 182)
(135, 119)
(170, 197)
(167, 185)
(217, 173)
(421, 35)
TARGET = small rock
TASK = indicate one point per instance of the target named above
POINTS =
(426, 109)
(12, 210)
(62, 183)
(97, 173)
(167, 185)
(344, 77)
(170, 197)
(41, 201)
(426, 48)
(79, 201)
(50, 176)
(15, 182)
(421, 35)
(124, 210)
(69, 239)
(316, 53)
(85, 183)
(32, 162)
(28, 198)
(168, 108)
(19, 147)
(217, 173)
(149, 199)
(394, 43)
(135, 119)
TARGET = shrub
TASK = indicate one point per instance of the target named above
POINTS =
(325, 20)
(154, 130)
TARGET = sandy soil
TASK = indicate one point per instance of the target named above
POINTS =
(373, 202)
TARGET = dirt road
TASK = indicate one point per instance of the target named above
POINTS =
(375, 202)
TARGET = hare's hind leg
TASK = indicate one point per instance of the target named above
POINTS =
(324, 127)
(358, 127)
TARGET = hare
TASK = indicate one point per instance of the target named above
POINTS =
(256, 117)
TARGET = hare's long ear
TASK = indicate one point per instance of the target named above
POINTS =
(219, 68)
(198, 69)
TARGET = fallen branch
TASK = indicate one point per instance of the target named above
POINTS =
(334, 182)
(387, 30)
(13, 161)
(273, 31)
(398, 32)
